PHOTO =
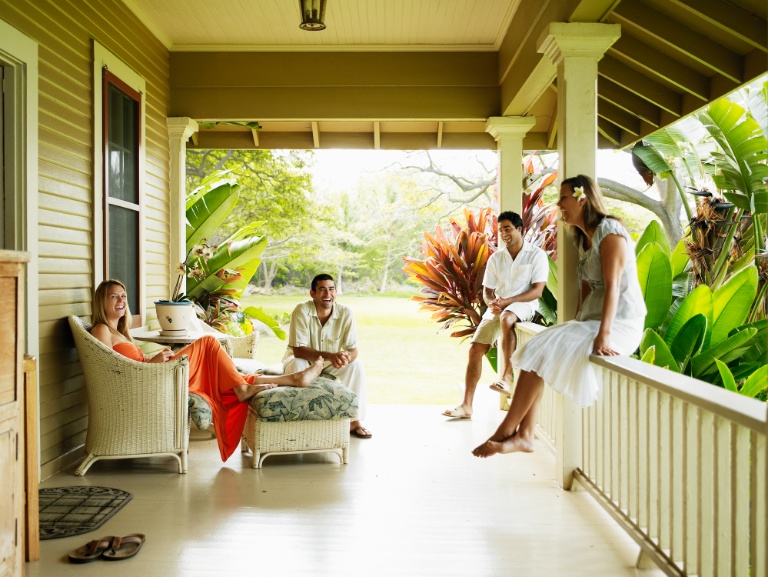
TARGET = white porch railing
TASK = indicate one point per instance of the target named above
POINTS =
(680, 464)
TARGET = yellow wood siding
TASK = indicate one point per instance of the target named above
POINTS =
(64, 31)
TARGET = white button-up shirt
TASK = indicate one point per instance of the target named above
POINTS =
(509, 277)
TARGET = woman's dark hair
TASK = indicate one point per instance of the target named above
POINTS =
(594, 209)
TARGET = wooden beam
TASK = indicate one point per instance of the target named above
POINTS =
(315, 135)
(634, 81)
(440, 134)
(618, 116)
(360, 140)
(610, 132)
(552, 136)
(303, 69)
(518, 53)
(255, 134)
(657, 64)
(336, 103)
(623, 98)
(692, 44)
(377, 135)
(731, 19)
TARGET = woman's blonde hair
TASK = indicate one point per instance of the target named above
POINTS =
(594, 209)
(99, 313)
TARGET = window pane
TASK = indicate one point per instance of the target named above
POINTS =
(122, 146)
(123, 252)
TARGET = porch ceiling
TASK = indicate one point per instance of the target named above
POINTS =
(426, 74)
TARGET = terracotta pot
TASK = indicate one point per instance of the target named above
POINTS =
(174, 317)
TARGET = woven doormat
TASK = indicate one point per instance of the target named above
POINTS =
(68, 511)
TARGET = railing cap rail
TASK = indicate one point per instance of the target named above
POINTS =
(742, 410)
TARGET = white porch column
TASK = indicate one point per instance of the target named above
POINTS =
(509, 131)
(575, 48)
(179, 131)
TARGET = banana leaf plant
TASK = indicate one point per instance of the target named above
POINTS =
(703, 334)
(728, 229)
(217, 276)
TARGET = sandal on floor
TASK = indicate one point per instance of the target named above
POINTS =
(457, 413)
(501, 387)
(91, 551)
(124, 548)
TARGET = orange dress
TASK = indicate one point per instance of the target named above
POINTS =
(212, 375)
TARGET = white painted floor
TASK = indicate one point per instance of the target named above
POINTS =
(412, 501)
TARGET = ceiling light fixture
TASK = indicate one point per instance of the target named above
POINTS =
(312, 14)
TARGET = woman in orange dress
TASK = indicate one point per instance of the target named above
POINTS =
(212, 374)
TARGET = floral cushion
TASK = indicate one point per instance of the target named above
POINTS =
(324, 400)
(200, 412)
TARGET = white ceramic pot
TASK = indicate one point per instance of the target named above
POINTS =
(174, 317)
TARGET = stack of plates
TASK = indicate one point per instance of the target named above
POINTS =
(179, 333)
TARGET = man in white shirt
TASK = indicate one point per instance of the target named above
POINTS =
(514, 280)
(321, 327)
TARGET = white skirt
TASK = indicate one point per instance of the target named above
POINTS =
(560, 355)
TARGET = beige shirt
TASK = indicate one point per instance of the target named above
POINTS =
(338, 334)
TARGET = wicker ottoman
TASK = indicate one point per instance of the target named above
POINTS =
(287, 420)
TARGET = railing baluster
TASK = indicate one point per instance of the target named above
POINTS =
(614, 454)
(691, 487)
(722, 495)
(665, 472)
(741, 465)
(707, 449)
(759, 510)
(677, 479)
(679, 464)
(654, 470)
(633, 453)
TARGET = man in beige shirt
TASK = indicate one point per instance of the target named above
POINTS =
(321, 327)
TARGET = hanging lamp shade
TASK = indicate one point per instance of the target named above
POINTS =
(312, 14)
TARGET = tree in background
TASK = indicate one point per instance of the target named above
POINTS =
(275, 191)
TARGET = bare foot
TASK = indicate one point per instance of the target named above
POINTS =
(245, 392)
(516, 444)
(305, 377)
(487, 449)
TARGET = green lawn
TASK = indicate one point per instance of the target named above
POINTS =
(407, 361)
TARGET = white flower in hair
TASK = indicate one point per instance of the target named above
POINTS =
(578, 192)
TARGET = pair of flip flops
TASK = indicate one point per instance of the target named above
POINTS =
(108, 548)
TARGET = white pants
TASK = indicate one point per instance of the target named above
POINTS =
(352, 376)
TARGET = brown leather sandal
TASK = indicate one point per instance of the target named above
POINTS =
(124, 548)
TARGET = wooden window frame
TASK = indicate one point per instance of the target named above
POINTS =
(108, 78)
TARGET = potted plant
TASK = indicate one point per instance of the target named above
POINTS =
(174, 315)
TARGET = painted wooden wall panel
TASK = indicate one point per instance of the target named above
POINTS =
(64, 31)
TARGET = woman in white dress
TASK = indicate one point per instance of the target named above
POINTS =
(609, 321)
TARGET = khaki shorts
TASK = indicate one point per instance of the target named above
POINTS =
(489, 330)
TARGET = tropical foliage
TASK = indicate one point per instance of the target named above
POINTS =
(218, 274)
(703, 333)
(729, 149)
(452, 270)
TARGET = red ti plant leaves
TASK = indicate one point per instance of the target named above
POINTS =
(452, 269)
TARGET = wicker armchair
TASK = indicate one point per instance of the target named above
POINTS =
(134, 409)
